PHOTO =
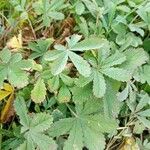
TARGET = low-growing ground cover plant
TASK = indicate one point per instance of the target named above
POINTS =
(74, 75)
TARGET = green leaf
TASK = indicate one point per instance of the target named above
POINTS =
(82, 94)
(66, 79)
(82, 66)
(5, 55)
(40, 47)
(41, 122)
(145, 113)
(117, 74)
(49, 10)
(14, 69)
(99, 85)
(39, 91)
(145, 121)
(145, 99)
(56, 15)
(59, 64)
(116, 59)
(60, 128)
(98, 140)
(89, 44)
(85, 126)
(135, 58)
(111, 103)
(79, 8)
(75, 140)
(17, 77)
(64, 94)
(52, 55)
(43, 141)
(53, 83)
(21, 111)
(82, 81)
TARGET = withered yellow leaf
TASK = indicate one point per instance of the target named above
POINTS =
(7, 90)
(8, 110)
(15, 42)
(129, 144)
(8, 87)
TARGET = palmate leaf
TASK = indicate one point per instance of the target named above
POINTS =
(49, 10)
(14, 69)
(34, 128)
(134, 58)
(101, 69)
(61, 55)
(40, 47)
(83, 128)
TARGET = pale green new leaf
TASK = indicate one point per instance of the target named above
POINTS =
(39, 91)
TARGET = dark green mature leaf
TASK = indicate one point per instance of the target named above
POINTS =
(82, 124)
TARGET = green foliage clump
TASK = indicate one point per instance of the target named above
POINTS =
(77, 74)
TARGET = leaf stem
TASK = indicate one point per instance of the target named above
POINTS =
(71, 110)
